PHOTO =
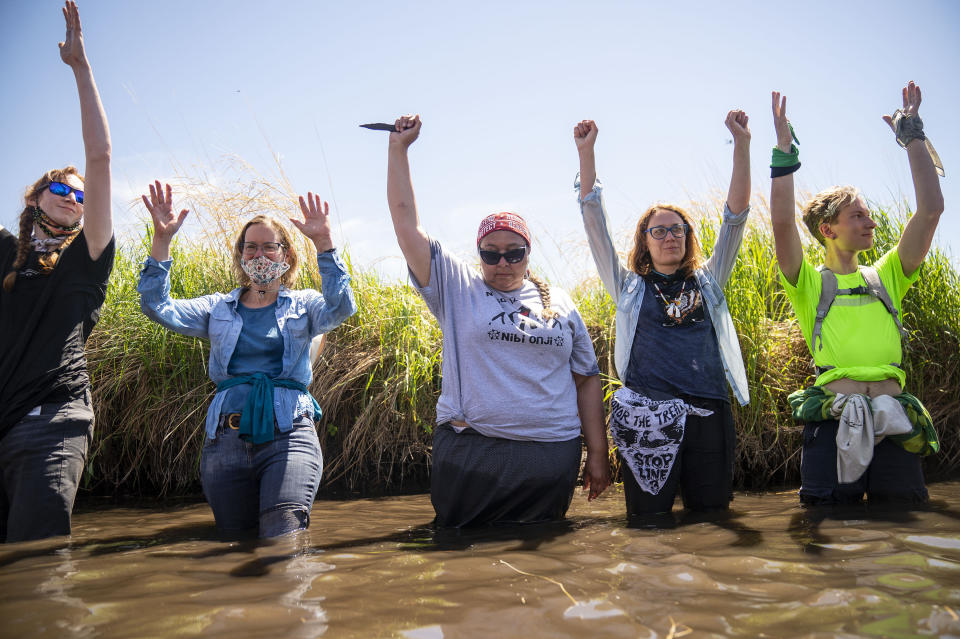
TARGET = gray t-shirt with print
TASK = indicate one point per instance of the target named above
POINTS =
(506, 371)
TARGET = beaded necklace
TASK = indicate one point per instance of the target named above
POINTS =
(51, 228)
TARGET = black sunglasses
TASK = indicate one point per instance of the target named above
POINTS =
(492, 258)
(59, 188)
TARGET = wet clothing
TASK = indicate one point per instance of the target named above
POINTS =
(478, 480)
(702, 471)
(269, 487)
(46, 416)
(269, 484)
(676, 340)
(893, 476)
(507, 372)
(860, 341)
(850, 318)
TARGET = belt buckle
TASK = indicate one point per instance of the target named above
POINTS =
(233, 420)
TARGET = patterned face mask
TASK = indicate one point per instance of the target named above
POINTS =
(262, 270)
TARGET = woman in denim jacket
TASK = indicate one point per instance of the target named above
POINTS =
(676, 348)
(261, 461)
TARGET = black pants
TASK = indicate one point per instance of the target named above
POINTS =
(893, 476)
(703, 471)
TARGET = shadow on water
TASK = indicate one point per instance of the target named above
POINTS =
(804, 526)
(727, 519)
(110, 545)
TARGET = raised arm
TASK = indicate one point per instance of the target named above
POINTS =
(918, 233)
(316, 222)
(403, 206)
(97, 216)
(585, 136)
(738, 195)
(729, 239)
(166, 223)
(595, 221)
(786, 237)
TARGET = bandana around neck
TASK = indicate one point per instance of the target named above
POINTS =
(51, 228)
(262, 270)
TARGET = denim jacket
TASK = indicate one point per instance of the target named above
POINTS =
(301, 315)
(627, 288)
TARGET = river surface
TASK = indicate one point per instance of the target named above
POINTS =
(373, 568)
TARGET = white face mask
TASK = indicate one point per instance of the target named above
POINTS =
(262, 270)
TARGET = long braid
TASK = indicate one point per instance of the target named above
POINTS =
(24, 246)
(544, 289)
(24, 241)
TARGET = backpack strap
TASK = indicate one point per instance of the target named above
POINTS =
(828, 292)
(876, 288)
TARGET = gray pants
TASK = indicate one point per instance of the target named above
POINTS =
(41, 461)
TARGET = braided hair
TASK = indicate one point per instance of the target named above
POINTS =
(24, 240)
(544, 289)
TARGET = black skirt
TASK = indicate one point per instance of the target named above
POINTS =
(478, 480)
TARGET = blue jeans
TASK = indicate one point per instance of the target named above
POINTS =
(41, 461)
(269, 486)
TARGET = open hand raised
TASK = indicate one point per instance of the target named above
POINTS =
(911, 103)
(165, 222)
(71, 49)
(316, 221)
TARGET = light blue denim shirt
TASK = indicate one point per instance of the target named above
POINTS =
(626, 287)
(301, 315)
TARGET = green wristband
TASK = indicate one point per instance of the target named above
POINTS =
(781, 159)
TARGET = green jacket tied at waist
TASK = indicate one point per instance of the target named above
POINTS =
(813, 405)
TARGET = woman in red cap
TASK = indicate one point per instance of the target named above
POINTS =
(520, 377)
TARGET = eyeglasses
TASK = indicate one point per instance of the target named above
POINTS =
(660, 232)
(492, 258)
(270, 249)
(59, 188)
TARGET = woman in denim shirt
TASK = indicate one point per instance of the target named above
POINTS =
(676, 348)
(261, 461)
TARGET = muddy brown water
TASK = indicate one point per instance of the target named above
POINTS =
(373, 568)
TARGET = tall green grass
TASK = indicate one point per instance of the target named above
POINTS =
(378, 378)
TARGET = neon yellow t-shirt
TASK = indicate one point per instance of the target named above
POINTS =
(859, 337)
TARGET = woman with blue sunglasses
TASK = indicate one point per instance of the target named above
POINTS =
(54, 276)
(676, 349)
(520, 377)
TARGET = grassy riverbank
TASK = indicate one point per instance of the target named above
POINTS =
(379, 375)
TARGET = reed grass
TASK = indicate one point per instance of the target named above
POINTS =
(378, 377)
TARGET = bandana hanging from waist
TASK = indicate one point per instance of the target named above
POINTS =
(648, 434)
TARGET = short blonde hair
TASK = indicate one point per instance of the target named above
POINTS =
(293, 258)
(825, 207)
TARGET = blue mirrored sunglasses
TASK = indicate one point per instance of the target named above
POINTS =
(59, 188)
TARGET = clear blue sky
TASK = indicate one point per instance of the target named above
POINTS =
(499, 86)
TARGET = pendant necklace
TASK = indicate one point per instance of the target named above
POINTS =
(672, 307)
